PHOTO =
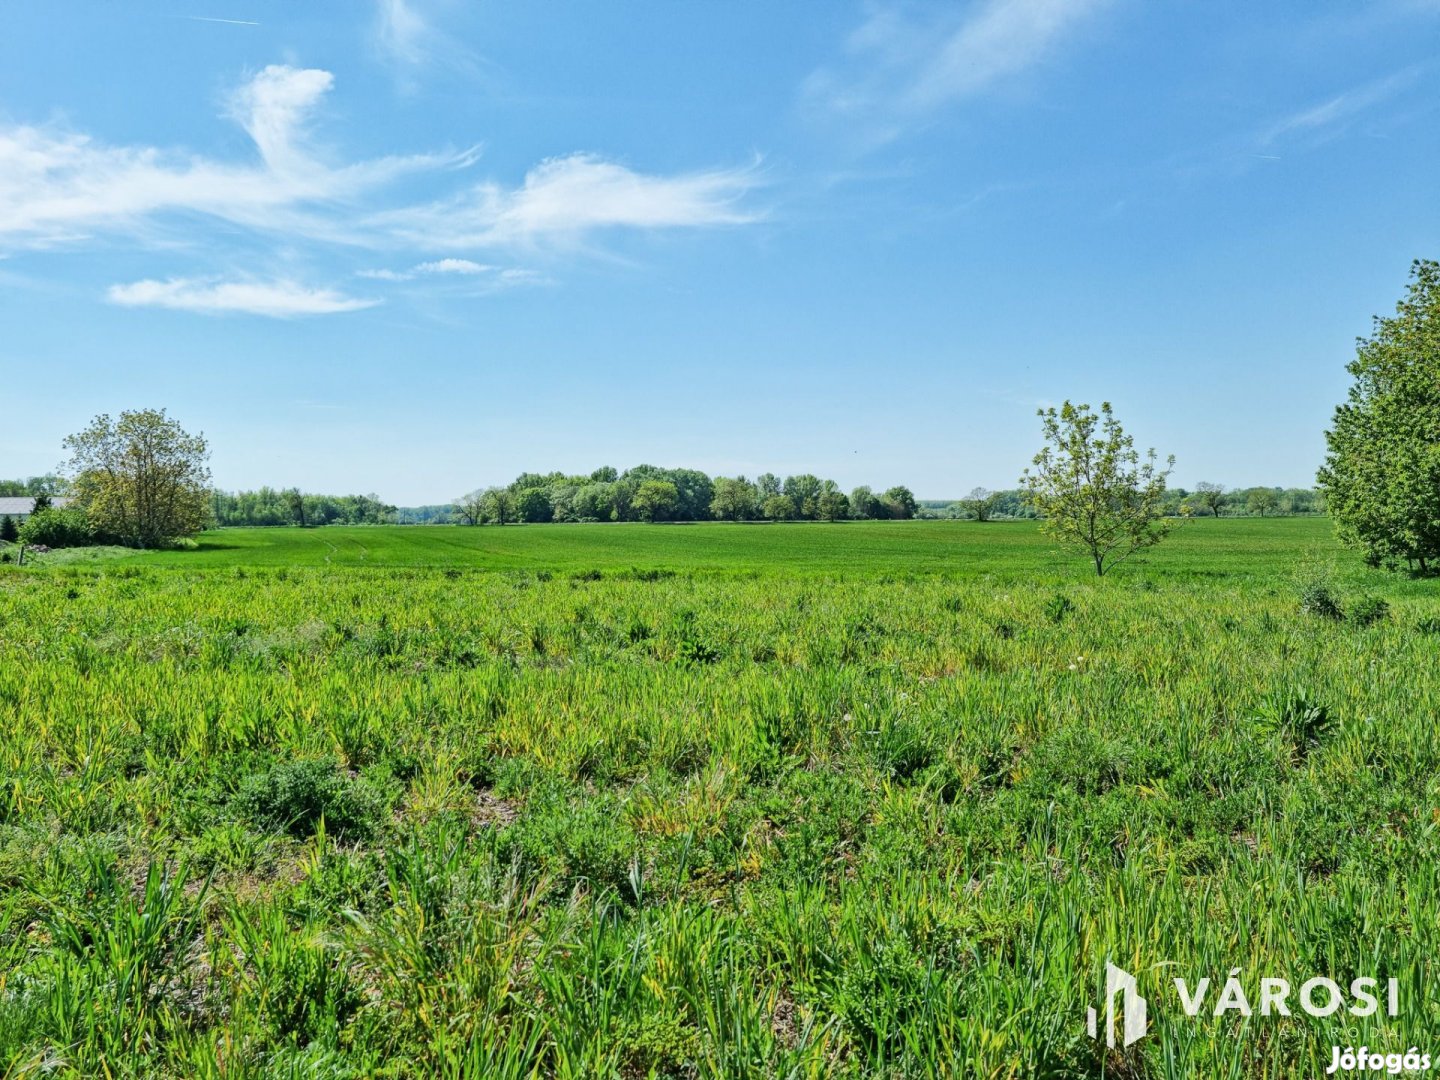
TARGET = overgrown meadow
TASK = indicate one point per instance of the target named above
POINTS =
(787, 801)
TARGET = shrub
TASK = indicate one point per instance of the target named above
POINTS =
(9, 531)
(1367, 611)
(1315, 584)
(59, 528)
(293, 796)
(1320, 599)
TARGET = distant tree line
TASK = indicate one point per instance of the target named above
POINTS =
(34, 485)
(290, 506)
(1205, 500)
(650, 493)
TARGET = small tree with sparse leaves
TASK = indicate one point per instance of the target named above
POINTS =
(1261, 501)
(1093, 489)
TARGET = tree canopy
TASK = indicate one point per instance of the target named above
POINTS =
(141, 478)
(1381, 476)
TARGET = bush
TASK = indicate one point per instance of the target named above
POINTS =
(1320, 599)
(1314, 581)
(292, 797)
(9, 531)
(1367, 611)
(59, 528)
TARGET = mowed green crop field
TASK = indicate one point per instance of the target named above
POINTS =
(1228, 548)
(863, 800)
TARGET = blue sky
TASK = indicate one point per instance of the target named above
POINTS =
(416, 246)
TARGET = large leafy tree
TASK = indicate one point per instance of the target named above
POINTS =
(734, 499)
(1093, 488)
(142, 478)
(655, 500)
(899, 502)
(1381, 476)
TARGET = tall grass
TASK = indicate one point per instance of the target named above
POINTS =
(336, 822)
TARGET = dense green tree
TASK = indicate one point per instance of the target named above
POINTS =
(767, 485)
(1093, 488)
(779, 508)
(533, 505)
(734, 499)
(864, 504)
(9, 531)
(1381, 476)
(606, 474)
(594, 502)
(656, 500)
(804, 492)
(833, 504)
(142, 478)
(899, 503)
(694, 492)
(295, 502)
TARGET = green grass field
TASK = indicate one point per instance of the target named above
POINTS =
(1245, 547)
(865, 800)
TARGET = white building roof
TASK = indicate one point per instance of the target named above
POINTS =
(24, 505)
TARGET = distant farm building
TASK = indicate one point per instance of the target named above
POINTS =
(21, 507)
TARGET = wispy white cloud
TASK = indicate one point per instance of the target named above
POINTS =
(273, 107)
(277, 299)
(401, 31)
(564, 199)
(902, 64)
(60, 187)
(57, 186)
(409, 37)
(452, 266)
(465, 277)
(439, 266)
(1334, 114)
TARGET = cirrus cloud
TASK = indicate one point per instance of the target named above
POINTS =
(902, 64)
(281, 299)
(60, 188)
